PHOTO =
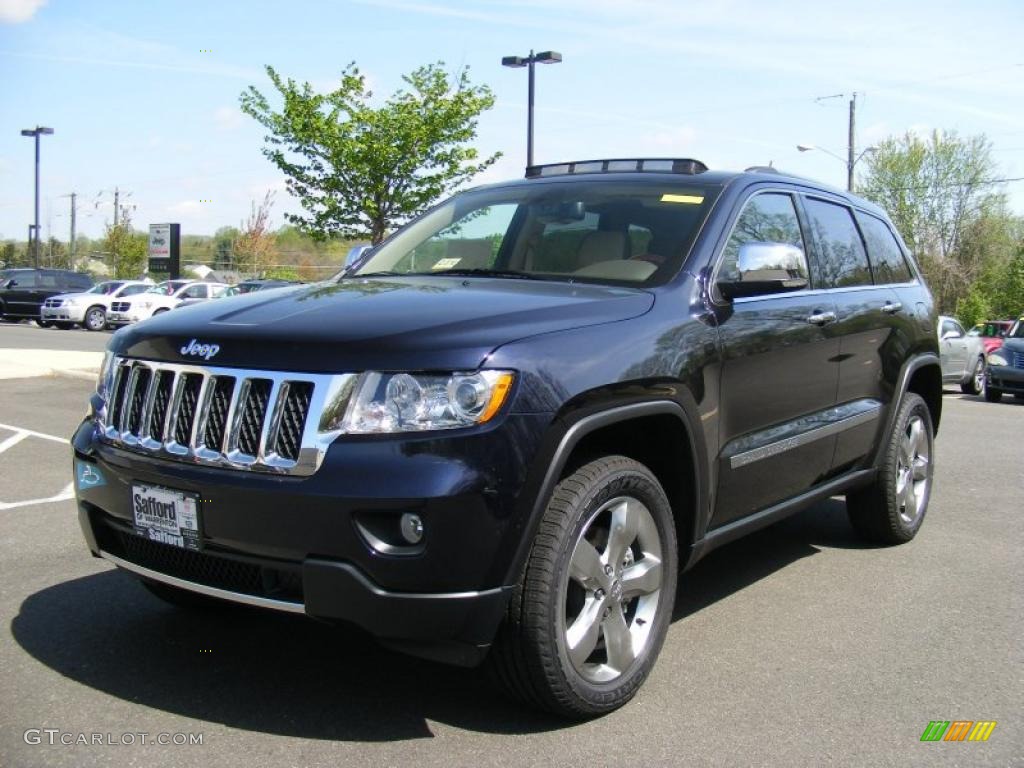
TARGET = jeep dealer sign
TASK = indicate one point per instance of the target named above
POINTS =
(164, 248)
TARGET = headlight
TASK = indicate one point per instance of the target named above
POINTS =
(404, 402)
(71, 302)
(106, 379)
(997, 358)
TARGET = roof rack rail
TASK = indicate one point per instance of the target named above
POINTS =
(619, 165)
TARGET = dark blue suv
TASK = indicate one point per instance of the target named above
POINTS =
(501, 435)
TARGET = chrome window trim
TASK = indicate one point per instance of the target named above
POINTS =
(314, 441)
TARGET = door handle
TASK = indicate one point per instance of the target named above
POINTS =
(892, 307)
(821, 318)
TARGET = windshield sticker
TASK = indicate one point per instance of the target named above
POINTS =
(687, 199)
(445, 263)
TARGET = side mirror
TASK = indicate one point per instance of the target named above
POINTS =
(950, 335)
(766, 268)
(11, 284)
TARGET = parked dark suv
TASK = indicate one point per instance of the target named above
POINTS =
(504, 432)
(23, 291)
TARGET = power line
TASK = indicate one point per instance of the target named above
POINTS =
(1006, 180)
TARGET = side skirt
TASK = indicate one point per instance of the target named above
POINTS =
(738, 528)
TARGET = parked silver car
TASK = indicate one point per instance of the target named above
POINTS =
(963, 356)
(88, 309)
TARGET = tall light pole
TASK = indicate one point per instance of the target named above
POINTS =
(546, 57)
(850, 161)
(36, 132)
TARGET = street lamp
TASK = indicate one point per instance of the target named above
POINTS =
(546, 57)
(36, 132)
(850, 162)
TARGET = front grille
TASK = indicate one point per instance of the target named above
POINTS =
(1018, 360)
(228, 417)
(53, 303)
(120, 306)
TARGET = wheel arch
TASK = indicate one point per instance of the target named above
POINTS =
(921, 375)
(657, 433)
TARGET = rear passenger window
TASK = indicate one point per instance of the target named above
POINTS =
(884, 251)
(842, 261)
(766, 218)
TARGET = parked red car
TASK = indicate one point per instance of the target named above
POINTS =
(992, 333)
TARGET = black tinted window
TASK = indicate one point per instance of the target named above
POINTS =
(841, 257)
(79, 281)
(25, 279)
(766, 218)
(886, 257)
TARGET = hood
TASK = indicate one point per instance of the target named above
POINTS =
(81, 295)
(402, 323)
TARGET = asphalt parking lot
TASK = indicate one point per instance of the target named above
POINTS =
(795, 646)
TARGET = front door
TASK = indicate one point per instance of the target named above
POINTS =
(779, 376)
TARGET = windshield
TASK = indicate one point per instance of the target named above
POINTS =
(620, 232)
(1017, 332)
(105, 288)
(168, 287)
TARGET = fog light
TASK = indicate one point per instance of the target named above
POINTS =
(412, 528)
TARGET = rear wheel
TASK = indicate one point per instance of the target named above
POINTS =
(585, 626)
(975, 383)
(992, 394)
(95, 319)
(892, 508)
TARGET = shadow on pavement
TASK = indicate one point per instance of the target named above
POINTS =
(260, 671)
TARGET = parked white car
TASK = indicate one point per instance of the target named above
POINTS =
(161, 298)
(88, 309)
(962, 356)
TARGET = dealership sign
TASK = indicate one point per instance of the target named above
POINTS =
(165, 248)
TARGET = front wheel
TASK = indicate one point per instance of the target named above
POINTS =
(975, 383)
(95, 319)
(892, 508)
(585, 626)
(992, 394)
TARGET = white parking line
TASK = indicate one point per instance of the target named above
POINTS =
(33, 433)
(67, 493)
(13, 440)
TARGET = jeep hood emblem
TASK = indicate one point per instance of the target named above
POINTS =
(197, 348)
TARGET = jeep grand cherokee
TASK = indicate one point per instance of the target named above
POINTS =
(502, 433)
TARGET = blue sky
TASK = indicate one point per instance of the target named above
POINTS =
(136, 101)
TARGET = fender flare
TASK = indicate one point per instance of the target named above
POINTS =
(579, 429)
(910, 367)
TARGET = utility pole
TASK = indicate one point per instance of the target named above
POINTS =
(72, 244)
(851, 155)
(117, 204)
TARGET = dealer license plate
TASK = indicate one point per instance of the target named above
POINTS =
(167, 516)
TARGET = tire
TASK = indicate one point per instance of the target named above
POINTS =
(179, 598)
(94, 319)
(993, 395)
(160, 311)
(892, 509)
(1018, 396)
(975, 383)
(620, 631)
(44, 323)
(64, 326)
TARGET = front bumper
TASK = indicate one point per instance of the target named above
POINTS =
(1005, 378)
(292, 543)
(65, 314)
(124, 318)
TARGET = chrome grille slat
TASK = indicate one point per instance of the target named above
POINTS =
(265, 421)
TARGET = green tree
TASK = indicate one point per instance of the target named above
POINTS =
(360, 170)
(253, 249)
(941, 193)
(125, 251)
(223, 247)
(7, 254)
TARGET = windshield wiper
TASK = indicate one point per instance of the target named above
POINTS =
(383, 273)
(480, 272)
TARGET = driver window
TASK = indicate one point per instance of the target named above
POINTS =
(766, 218)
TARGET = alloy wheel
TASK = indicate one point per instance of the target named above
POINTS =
(912, 476)
(611, 592)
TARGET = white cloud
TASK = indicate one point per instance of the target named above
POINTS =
(19, 11)
(227, 118)
(185, 207)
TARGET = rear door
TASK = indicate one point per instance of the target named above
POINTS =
(21, 298)
(779, 375)
(868, 327)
